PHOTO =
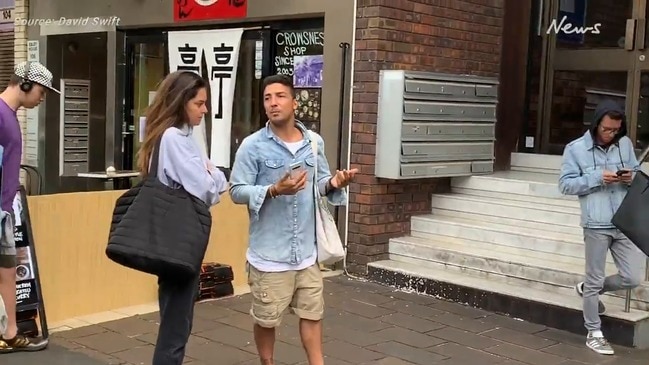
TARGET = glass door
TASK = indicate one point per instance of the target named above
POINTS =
(147, 59)
(589, 56)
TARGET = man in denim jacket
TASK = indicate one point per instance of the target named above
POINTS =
(283, 270)
(590, 170)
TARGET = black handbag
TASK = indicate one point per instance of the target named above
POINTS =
(159, 230)
(632, 217)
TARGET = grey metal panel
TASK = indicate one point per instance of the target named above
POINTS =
(482, 166)
(448, 149)
(458, 109)
(73, 168)
(435, 169)
(435, 125)
(441, 88)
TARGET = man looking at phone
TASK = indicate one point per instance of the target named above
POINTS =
(598, 167)
(273, 173)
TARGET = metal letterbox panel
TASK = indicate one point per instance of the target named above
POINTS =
(467, 110)
(440, 88)
(75, 142)
(77, 105)
(435, 169)
(447, 149)
(71, 156)
(440, 131)
(434, 125)
(413, 129)
(76, 118)
(490, 91)
(461, 129)
(76, 91)
(73, 168)
(73, 130)
(482, 167)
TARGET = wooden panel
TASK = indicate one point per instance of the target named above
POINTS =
(77, 277)
(6, 63)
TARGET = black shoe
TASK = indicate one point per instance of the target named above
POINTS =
(580, 291)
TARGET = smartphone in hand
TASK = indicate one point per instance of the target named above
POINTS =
(296, 168)
(622, 172)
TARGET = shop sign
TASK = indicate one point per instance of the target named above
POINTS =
(221, 50)
(191, 10)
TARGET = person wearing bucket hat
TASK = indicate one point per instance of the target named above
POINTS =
(27, 88)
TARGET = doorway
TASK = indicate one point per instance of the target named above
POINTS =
(592, 50)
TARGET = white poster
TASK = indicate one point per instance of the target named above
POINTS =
(221, 50)
(184, 54)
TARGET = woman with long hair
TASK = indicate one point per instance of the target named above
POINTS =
(178, 106)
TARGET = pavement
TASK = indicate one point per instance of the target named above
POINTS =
(365, 324)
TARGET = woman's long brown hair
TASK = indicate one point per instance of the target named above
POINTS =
(167, 110)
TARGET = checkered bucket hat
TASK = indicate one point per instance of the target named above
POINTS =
(37, 73)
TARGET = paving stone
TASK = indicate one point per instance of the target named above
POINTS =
(62, 342)
(352, 336)
(421, 299)
(284, 352)
(582, 354)
(413, 309)
(563, 337)
(525, 355)
(361, 308)
(519, 338)
(236, 319)
(211, 311)
(227, 335)
(407, 353)
(464, 323)
(132, 326)
(411, 323)
(359, 323)
(468, 355)
(109, 342)
(350, 353)
(460, 309)
(90, 353)
(514, 324)
(55, 355)
(203, 325)
(389, 361)
(209, 352)
(80, 332)
(408, 337)
(464, 338)
(137, 355)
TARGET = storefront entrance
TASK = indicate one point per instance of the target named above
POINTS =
(591, 49)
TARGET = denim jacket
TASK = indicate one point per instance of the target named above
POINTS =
(582, 174)
(281, 229)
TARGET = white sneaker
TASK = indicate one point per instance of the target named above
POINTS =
(599, 345)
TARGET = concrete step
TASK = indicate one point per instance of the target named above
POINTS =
(531, 162)
(518, 237)
(507, 208)
(513, 185)
(490, 292)
(553, 273)
(478, 216)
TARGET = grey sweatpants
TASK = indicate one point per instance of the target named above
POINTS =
(630, 262)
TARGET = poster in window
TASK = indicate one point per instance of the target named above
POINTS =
(299, 54)
(26, 293)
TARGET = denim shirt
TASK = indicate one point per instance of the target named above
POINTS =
(582, 175)
(281, 229)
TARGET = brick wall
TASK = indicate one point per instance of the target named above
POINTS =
(455, 36)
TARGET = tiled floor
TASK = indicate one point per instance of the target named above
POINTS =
(365, 324)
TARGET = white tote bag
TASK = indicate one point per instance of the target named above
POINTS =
(330, 246)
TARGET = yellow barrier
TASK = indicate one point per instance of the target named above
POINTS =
(70, 234)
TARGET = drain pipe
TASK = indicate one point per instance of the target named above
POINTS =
(345, 48)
